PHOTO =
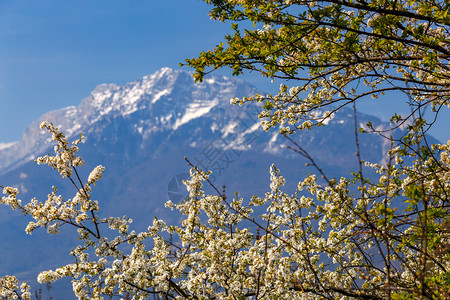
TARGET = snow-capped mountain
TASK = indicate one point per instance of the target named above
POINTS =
(166, 109)
(162, 102)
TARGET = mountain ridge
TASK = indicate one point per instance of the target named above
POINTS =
(158, 107)
(111, 101)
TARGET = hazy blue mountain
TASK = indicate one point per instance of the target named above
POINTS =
(141, 132)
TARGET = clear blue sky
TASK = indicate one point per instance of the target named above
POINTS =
(53, 53)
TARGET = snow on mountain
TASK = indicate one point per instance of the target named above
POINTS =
(166, 109)
(161, 102)
(6, 145)
(195, 110)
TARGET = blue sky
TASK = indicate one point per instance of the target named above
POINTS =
(53, 53)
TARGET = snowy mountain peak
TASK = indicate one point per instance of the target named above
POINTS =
(163, 73)
(145, 92)
(164, 101)
(167, 109)
(101, 88)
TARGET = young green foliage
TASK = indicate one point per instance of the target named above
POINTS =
(334, 53)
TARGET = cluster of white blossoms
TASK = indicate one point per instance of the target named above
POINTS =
(320, 241)
(65, 155)
(11, 198)
(9, 288)
(96, 174)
